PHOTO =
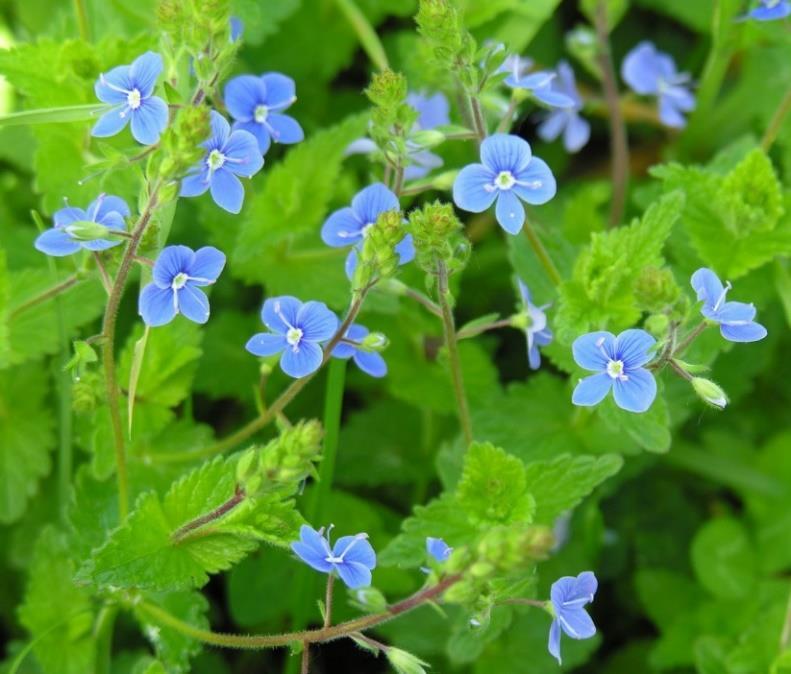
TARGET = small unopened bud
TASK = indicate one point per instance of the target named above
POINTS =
(369, 599)
(404, 662)
(374, 341)
(87, 230)
(710, 392)
(427, 138)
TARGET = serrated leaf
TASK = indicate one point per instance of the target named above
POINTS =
(723, 558)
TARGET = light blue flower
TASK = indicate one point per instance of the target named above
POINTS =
(438, 549)
(619, 363)
(347, 226)
(352, 557)
(576, 130)
(256, 103)
(433, 111)
(770, 10)
(297, 332)
(105, 210)
(129, 90)
(178, 275)
(650, 72)
(536, 330)
(228, 155)
(508, 173)
(369, 362)
(538, 84)
(734, 318)
(568, 597)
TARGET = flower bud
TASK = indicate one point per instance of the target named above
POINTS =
(378, 258)
(87, 230)
(709, 392)
(428, 138)
(374, 341)
(369, 599)
(404, 662)
(656, 289)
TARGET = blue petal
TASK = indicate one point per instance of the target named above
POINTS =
(206, 266)
(554, 640)
(589, 354)
(531, 81)
(355, 549)
(107, 85)
(193, 303)
(354, 574)
(533, 357)
(156, 305)
(316, 321)
(405, 250)
(432, 111)
(110, 123)
(577, 133)
(220, 130)
(279, 314)
(438, 549)
(351, 263)
(195, 184)
(577, 623)
(100, 244)
(65, 216)
(632, 348)
(303, 361)
(637, 392)
(570, 592)
(371, 363)
(553, 99)
(242, 95)
(259, 131)
(509, 212)
(56, 242)
(149, 120)
(768, 13)
(553, 125)
(344, 351)
(237, 28)
(504, 152)
(227, 190)
(536, 184)
(280, 90)
(707, 285)
(748, 332)
(342, 228)
(670, 115)
(591, 390)
(266, 344)
(473, 189)
(368, 204)
(172, 260)
(312, 549)
(144, 72)
(641, 69)
(101, 207)
(735, 312)
(244, 154)
(285, 129)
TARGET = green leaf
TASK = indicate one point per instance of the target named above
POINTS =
(492, 487)
(650, 430)
(515, 27)
(67, 113)
(723, 558)
(25, 437)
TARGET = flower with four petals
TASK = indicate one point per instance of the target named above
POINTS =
(369, 362)
(567, 121)
(568, 597)
(352, 557)
(734, 318)
(538, 84)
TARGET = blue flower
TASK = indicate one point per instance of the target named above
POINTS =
(539, 84)
(735, 318)
(619, 363)
(228, 155)
(369, 362)
(237, 28)
(433, 111)
(352, 557)
(348, 226)
(297, 331)
(536, 330)
(508, 173)
(129, 89)
(256, 103)
(105, 210)
(179, 273)
(568, 597)
(770, 10)
(652, 73)
(438, 549)
(576, 130)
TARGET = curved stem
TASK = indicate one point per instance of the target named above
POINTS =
(328, 600)
(477, 118)
(542, 254)
(184, 531)
(453, 351)
(777, 121)
(475, 330)
(82, 20)
(322, 635)
(103, 633)
(48, 294)
(691, 337)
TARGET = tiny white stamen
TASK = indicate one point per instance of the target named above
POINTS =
(293, 337)
(179, 281)
(215, 160)
(721, 299)
(339, 560)
(615, 370)
(505, 180)
(133, 98)
(261, 113)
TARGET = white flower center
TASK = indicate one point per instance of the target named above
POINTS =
(615, 369)
(261, 113)
(339, 560)
(366, 227)
(133, 99)
(505, 180)
(179, 281)
(293, 336)
(216, 160)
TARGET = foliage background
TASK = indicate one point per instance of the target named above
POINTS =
(691, 539)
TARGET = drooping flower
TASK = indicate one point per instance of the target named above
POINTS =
(178, 275)
(347, 226)
(568, 597)
(770, 10)
(536, 330)
(538, 84)
(433, 111)
(618, 362)
(107, 211)
(369, 362)
(650, 72)
(576, 130)
(129, 90)
(352, 557)
(297, 332)
(734, 318)
(228, 154)
(508, 172)
(256, 103)
(438, 549)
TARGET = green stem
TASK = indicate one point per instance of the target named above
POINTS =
(691, 337)
(542, 254)
(328, 600)
(322, 635)
(453, 351)
(82, 20)
(103, 633)
(65, 425)
(507, 120)
(477, 118)
(776, 122)
(474, 331)
(185, 530)
(369, 40)
(680, 371)
(48, 294)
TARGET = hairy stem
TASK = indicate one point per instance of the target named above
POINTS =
(691, 337)
(542, 254)
(619, 144)
(328, 601)
(185, 530)
(776, 122)
(322, 635)
(477, 118)
(475, 330)
(48, 294)
(680, 371)
(453, 351)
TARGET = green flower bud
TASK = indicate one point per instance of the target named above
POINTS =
(288, 459)
(429, 138)
(378, 258)
(404, 662)
(444, 181)
(656, 289)
(87, 230)
(709, 392)
(374, 341)
(181, 141)
(435, 230)
(657, 325)
(369, 599)
(387, 89)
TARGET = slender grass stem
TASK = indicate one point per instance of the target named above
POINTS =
(776, 122)
(542, 254)
(48, 294)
